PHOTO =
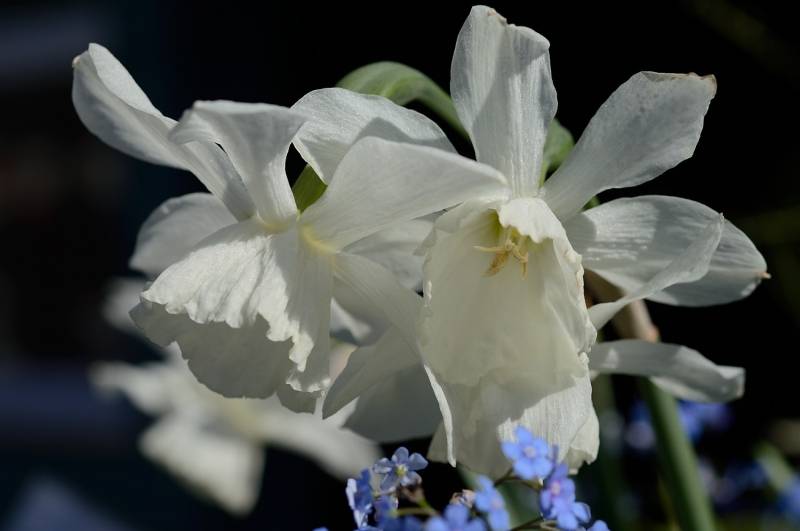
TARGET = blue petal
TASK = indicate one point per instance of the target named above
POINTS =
(567, 521)
(417, 462)
(437, 523)
(511, 450)
(475, 525)
(599, 526)
(541, 467)
(499, 520)
(456, 514)
(524, 437)
(581, 512)
(383, 466)
(525, 468)
(400, 455)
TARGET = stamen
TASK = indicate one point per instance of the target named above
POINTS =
(514, 244)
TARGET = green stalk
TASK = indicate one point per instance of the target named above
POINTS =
(678, 461)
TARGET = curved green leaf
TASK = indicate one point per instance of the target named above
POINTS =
(403, 84)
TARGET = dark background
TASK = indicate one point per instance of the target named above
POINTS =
(70, 206)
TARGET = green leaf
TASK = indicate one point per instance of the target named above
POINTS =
(307, 188)
(556, 148)
(403, 84)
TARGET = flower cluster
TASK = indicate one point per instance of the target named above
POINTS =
(252, 279)
(390, 497)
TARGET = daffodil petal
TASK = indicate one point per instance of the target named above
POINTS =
(679, 370)
(147, 386)
(337, 118)
(256, 137)
(689, 266)
(627, 241)
(248, 287)
(390, 383)
(174, 228)
(406, 399)
(381, 183)
(648, 125)
(113, 107)
(503, 91)
(222, 466)
(369, 366)
(524, 318)
(584, 447)
(336, 449)
(378, 287)
(486, 414)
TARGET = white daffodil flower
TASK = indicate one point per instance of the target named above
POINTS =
(215, 445)
(505, 330)
(249, 304)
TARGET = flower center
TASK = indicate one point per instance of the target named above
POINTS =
(529, 451)
(512, 243)
(402, 470)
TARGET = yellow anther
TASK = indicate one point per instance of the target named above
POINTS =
(515, 245)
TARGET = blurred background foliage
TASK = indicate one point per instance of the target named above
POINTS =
(70, 208)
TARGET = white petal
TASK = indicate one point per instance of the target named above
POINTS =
(377, 286)
(489, 413)
(353, 319)
(648, 125)
(474, 324)
(146, 386)
(505, 349)
(678, 370)
(339, 117)
(256, 137)
(627, 241)
(394, 248)
(113, 107)
(122, 294)
(217, 464)
(689, 266)
(337, 450)
(236, 289)
(176, 226)
(234, 362)
(369, 366)
(503, 91)
(400, 408)
(381, 183)
(395, 400)
(584, 448)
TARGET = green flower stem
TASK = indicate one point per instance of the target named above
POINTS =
(779, 473)
(690, 502)
(678, 461)
(608, 466)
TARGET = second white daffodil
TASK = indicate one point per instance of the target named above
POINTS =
(249, 305)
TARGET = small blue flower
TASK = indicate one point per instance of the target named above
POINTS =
(557, 501)
(489, 501)
(385, 506)
(531, 456)
(599, 525)
(407, 523)
(456, 518)
(400, 470)
(359, 497)
(789, 501)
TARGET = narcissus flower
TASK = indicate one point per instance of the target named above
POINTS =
(505, 334)
(212, 444)
(249, 305)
